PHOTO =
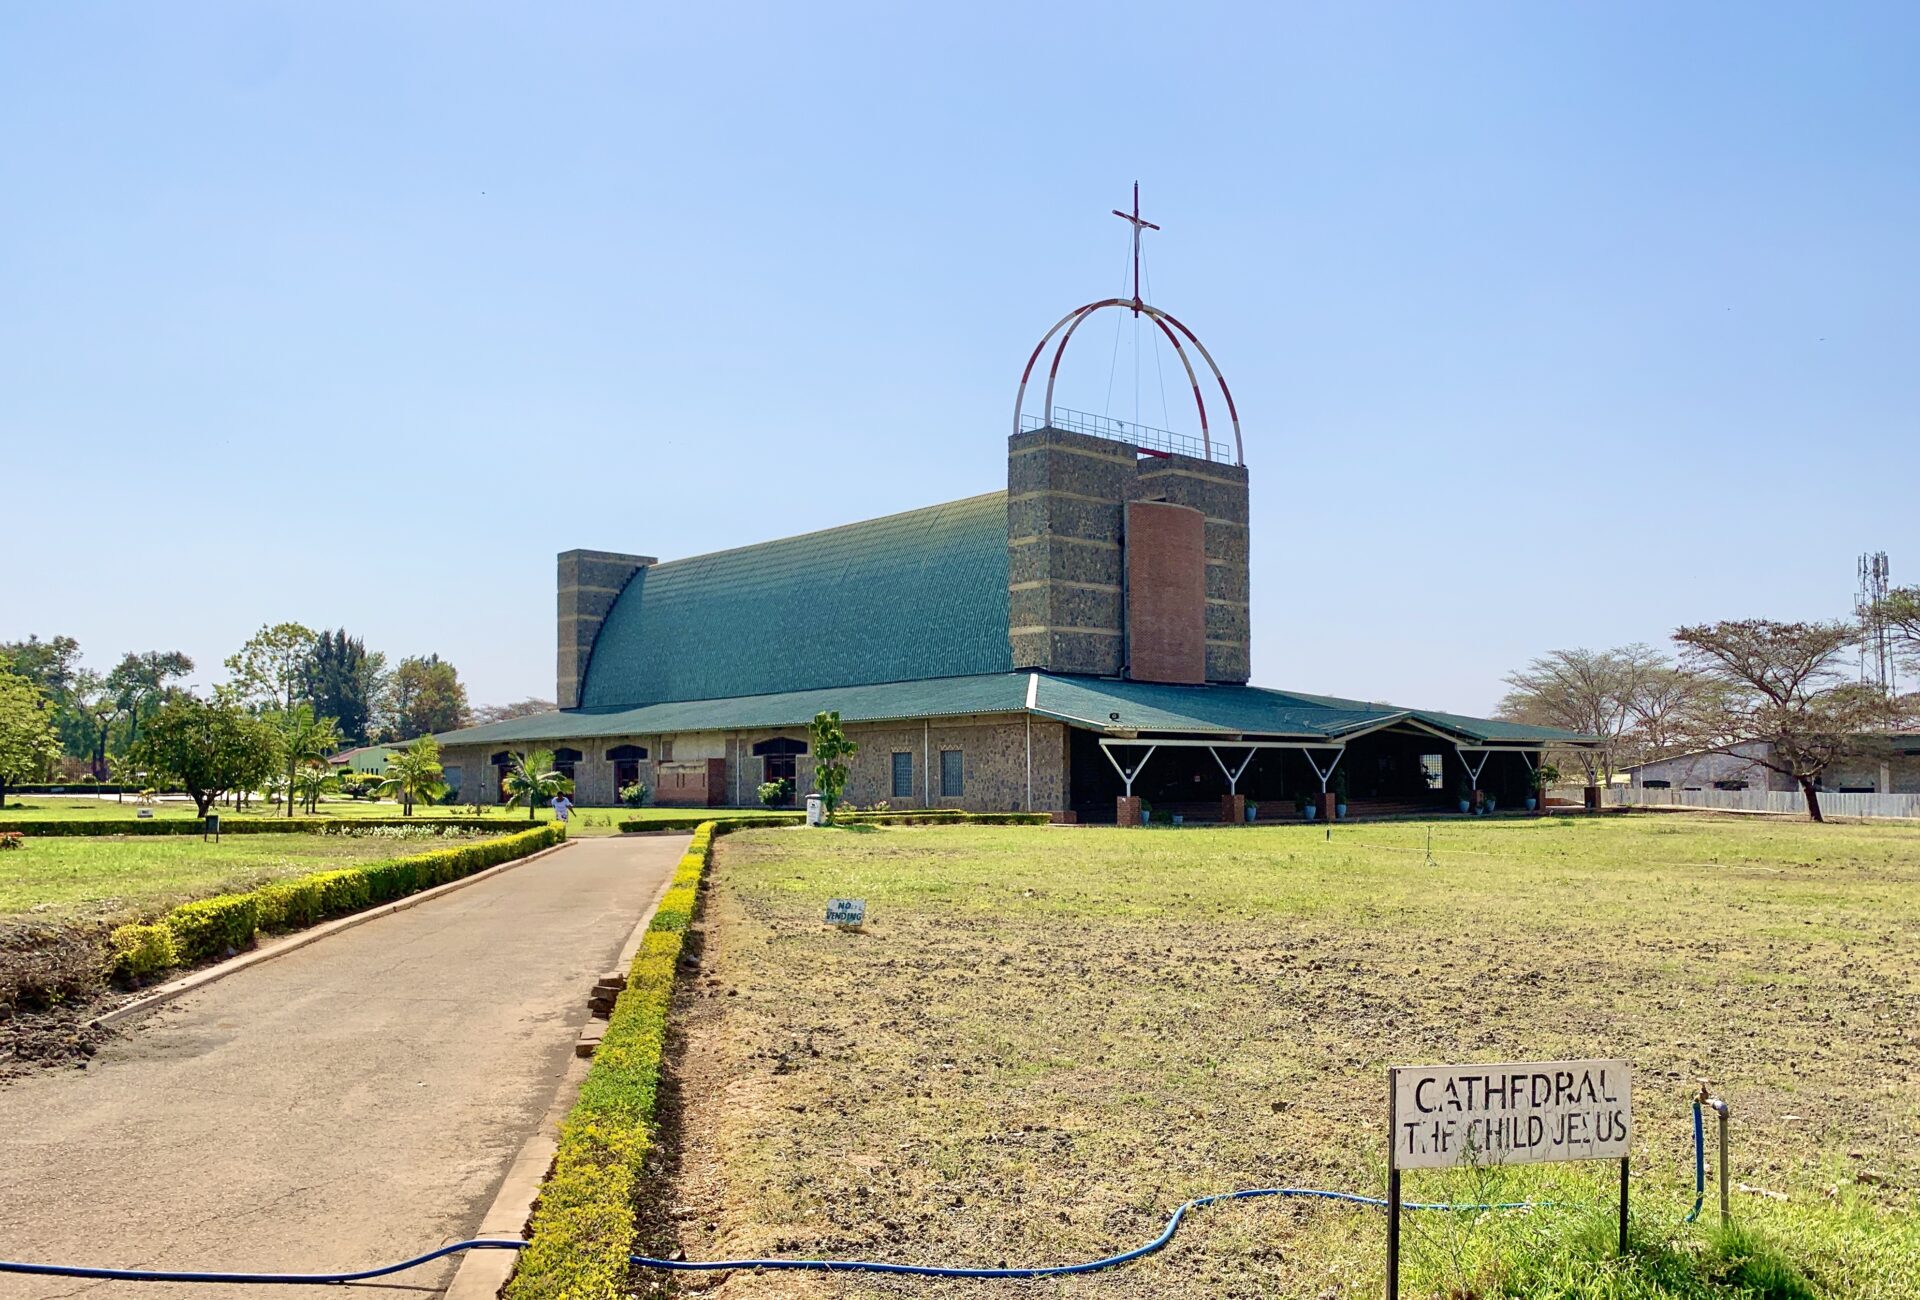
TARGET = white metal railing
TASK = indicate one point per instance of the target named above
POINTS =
(1142, 436)
(1776, 801)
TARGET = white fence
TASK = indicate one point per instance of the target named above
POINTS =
(1832, 804)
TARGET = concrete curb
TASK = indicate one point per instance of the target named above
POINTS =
(294, 942)
(482, 1274)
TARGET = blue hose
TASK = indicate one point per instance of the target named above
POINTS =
(1699, 1164)
(841, 1265)
(722, 1265)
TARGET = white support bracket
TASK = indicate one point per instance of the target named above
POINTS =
(1338, 753)
(1233, 775)
(1473, 768)
(1126, 775)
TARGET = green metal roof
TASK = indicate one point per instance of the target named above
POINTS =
(907, 597)
(1088, 701)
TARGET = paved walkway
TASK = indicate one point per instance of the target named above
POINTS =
(351, 1103)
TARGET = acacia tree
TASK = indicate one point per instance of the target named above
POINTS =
(1784, 700)
(28, 742)
(207, 748)
(831, 750)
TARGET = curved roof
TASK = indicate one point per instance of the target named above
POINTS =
(901, 598)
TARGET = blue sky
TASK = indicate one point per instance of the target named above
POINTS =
(1550, 325)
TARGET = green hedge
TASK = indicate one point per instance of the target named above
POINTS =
(210, 928)
(232, 825)
(583, 1229)
(693, 822)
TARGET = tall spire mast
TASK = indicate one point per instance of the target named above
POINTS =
(1133, 218)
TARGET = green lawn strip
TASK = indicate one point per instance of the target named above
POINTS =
(1048, 1038)
(210, 928)
(125, 878)
(664, 819)
(47, 808)
(583, 1229)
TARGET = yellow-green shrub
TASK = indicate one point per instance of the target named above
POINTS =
(583, 1230)
(140, 952)
(212, 927)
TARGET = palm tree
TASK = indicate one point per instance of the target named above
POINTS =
(532, 780)
(313, 780)
(414, 773)
(308, 740)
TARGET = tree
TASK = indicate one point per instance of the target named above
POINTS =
(140, 682)
(343, 681)
(414, 773)
(270, 670)
(311, 780)
(502, 712)
(1578, 690)
(93, 706)
(1784, 701)
(532, 780)
(28, 742)
(305, 738)
(1899, 613)
(426, 697)
(50, 665)
(207, 748)
(831, 750)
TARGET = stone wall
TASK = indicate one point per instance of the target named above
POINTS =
(993, 763)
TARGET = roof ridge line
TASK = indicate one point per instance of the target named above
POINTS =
(831, 528)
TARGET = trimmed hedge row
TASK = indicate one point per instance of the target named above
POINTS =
(209, 928)
(583, 1228)
(903, 817)
(232, 825)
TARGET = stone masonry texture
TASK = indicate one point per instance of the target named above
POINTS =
(588, 584)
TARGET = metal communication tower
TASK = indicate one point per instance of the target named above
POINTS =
(1876, 652)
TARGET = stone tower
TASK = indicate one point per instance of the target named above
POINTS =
(589, 583)
(1124, 563)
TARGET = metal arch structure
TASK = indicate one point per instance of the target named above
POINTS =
(1167, 323)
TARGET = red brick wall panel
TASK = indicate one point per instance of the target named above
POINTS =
(1166, 593)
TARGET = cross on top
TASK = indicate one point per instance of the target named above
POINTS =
(1133, 219)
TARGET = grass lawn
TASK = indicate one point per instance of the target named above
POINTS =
(1048, 1037)
(97, 878)
(585, 821)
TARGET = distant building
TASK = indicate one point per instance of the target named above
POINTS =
(1886, 764)
(362, 758)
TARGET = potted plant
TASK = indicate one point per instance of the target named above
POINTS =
(1253, 810)
(1305, 799)
(1146, 813)
(1465, 793)
(1340, 795)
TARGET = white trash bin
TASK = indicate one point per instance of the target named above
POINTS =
(816, 810)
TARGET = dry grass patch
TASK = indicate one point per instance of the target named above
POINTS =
(1047, 1038)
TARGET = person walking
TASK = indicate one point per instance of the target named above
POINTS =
(562, 806)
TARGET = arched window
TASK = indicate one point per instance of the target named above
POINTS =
(626, 761)
(781, 745)
(777, 763)
(564, 760)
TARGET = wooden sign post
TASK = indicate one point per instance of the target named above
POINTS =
(1447, 1116)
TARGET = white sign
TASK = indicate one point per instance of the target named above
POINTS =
(846, 911)
(1510, 1114)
